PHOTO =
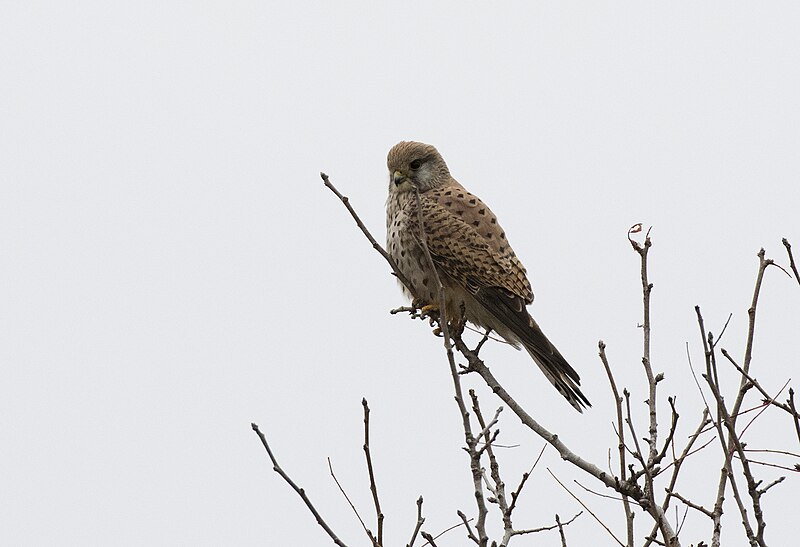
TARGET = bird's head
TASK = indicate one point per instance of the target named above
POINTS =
(415, 165)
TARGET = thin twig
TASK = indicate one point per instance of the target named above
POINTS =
(769, 464)
(429, 538)
(764, 406)
(300, 491)
(688, 503)
(465, 521)
(792, 265)
(794, 413)
(561, 531)
(558, 524)
(767, 397)
(576, 498)
(626, 506)
(598, 494)
(769, 451)
(372, 485)
(770, 485)
(515, 494)
(418, 525)
(724, 328)
(375, 245)
(369, 533)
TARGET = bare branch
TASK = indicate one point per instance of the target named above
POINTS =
(372, 485)
(723, 415)
(429, 538)
(375, 245)
(598, 494)
(301, 492)
(652, 379)
(791, 259)
(670, 435)
(626, 506)
(648, 501)
(688, 503)
(677, 464)
(470, 533)
(763, 407)
(794, 413)
(770, 485)
(477, 365)
(730, 420)
(561, 531)
(768, 464)
(576, 498)
(369, 533)
(499, 489)
(767, 397)
(769, 451)
(515, 493)
(420, 522)
(560, 525)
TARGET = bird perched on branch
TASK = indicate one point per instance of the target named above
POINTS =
(475, 263)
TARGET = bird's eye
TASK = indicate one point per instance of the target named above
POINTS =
(415, 164)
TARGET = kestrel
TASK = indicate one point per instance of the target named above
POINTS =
(480, 273)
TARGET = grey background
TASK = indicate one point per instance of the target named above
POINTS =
(173, 268)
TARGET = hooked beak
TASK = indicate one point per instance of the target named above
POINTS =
(398, 178)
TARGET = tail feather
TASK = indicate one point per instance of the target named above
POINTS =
(510, 310)
(560, 374)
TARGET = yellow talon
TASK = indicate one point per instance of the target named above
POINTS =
(429, 308)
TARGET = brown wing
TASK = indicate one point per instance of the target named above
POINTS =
(467, 242)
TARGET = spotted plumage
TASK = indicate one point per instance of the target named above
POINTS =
(473, 258)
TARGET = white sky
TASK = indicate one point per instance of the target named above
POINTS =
(173, 268)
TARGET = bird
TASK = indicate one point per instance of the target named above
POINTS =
(481, 275)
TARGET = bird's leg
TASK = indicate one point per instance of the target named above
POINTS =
(430, 309)
(429, 312)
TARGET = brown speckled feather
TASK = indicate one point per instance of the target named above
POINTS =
(465, 238)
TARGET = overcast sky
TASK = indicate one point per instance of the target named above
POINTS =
(173, 268)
